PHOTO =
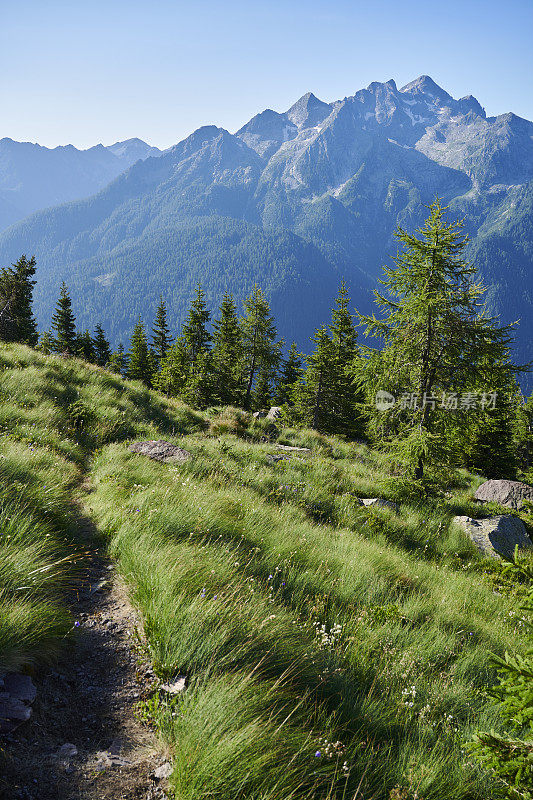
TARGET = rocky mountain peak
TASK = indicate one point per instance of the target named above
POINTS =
(308, 111)
(424, 85)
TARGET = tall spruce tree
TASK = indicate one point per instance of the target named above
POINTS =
(64, 323)
(17, 323)
(311, 396)
(344, 416)
(227, 355)
(436, 336)
(102, 348)
(139, 367)
(186, 369)
(261, 351)
(161, 338)
(289, 375)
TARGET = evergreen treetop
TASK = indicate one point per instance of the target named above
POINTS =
(64, 323)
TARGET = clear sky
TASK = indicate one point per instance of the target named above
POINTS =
(88, 71)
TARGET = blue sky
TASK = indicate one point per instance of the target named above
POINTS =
(88, 71)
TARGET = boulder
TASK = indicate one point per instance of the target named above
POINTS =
(16, 693)
(496, 535)
(259, 414)
(379, 502)
(160, 450)
(506, 493)
(274, 413)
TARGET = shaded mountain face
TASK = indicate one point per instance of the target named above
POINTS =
(34, 177)
(295, 201)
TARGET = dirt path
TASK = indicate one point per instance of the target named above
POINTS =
(84, 741)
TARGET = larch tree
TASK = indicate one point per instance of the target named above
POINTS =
(436, 336)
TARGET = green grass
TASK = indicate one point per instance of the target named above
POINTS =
(331, 650)
(53, 415)
(231, 582)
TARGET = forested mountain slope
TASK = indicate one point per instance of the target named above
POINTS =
(295, 201)
(33, 177)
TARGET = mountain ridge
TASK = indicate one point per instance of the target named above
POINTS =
(328, 180)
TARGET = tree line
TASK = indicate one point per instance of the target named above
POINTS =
(439, 346)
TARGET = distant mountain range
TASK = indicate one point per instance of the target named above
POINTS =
(294, 201)
(34, 177)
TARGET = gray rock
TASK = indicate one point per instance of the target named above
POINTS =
(160, 450)
(272, 459)
(259, 414)
(16, 693)
(293, 449)
(67, 751)
(176, 685)
(274, 413)
(496, 535)
(379, 502)
(164, 771)
(20, 687)
(506, 493)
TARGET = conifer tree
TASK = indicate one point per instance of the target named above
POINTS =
(17, 323)
(227, 355)
(64, 323)
(290, 374)
(161, 338)
(194, 334)
(184, 369)
(435, 335)
(344, 396)
(261, 352)
(261, 395)
(102, 349)
(311, 396)
(46, 343)
(139, 363)
(118, 362)
(85, 346)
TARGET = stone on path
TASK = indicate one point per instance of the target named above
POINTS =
(17, 692)
(496, 535)
(159, 450)
(176, 685)
(506, 493)
(164, 771)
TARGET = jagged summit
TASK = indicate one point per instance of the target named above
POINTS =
(308, 111)
(427, 86)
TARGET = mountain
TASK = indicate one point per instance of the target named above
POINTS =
(33, 177)
(295, 201)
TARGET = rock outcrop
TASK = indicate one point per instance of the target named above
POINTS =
(496, 535)
(160, 450)
(507, 493)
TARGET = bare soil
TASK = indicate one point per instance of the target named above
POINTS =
(88, 702)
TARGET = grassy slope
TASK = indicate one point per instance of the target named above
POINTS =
(305, 624)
